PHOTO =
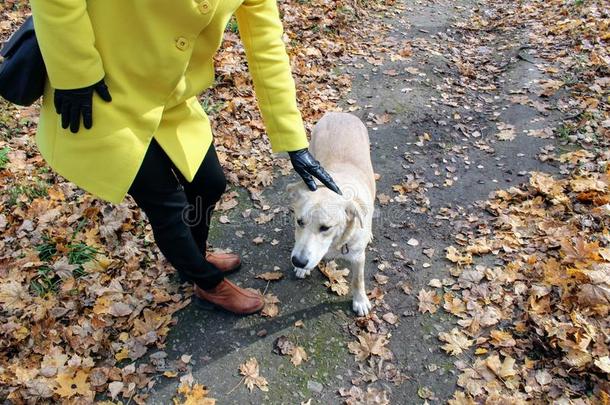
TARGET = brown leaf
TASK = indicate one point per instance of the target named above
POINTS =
(428, 301)
(457, 342)
(370, 344)
(271, 275)
(271, 309)
(283, 346)
(298, 356)
(252, 379)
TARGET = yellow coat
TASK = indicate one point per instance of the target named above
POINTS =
(156, 57)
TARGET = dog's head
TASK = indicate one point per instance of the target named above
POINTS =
(322, 219)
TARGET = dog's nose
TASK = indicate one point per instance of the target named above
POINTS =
(298, 262)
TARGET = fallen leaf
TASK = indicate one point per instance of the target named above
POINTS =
(252, 379)
(456, 342)
(270, 275)
(271, 308)
(298, 356)
(428, 301)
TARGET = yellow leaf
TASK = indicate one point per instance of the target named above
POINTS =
(122, 354)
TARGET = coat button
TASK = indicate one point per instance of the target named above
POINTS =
(182, 43)
(204, 7)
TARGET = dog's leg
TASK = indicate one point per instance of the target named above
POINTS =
(302, 273)
(360, 302)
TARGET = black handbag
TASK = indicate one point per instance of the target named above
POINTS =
(22, 70)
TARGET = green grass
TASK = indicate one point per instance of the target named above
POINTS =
(4, 157)
(38, 189)
(80, 253)
(232, 25)
(45, 282)
(563, 132)
(210, 107)
(47, 249)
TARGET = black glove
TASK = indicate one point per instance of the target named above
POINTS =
(306, 166)
(71, 104)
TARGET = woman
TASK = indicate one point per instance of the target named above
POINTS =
(128, 72)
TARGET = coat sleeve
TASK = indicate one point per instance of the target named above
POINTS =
(261, 32)
(67, 43)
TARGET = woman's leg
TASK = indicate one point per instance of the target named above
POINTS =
(203, 193)
(160, 195)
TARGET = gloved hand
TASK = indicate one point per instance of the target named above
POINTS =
(71, 104)
(308, 167)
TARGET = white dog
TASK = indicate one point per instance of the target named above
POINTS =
(330, 226)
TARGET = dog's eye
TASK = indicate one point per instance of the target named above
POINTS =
(300, 222)
(324, 228)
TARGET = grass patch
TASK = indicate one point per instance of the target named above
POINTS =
(4, 157)
(210, 106)
(31, 191)
(232, 25)
(80, 253)
(47, 249)
(45, 282)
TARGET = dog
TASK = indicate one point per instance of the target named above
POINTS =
(332, 226)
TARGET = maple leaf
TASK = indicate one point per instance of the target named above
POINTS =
(546, 184)
(592, 183)
(336, 278)
(428, 301)
(454, 255)
(502, 369)
(502, 338)
(14, 295)
(197, 394)
(71, 384)
(252, 379)
(479, 246)
(457, 342)
(298, 356)
(271, 309)
(581, 252)
(384, 199)
(593, 295)
(370, 344)
(454, 304)
(550, 87)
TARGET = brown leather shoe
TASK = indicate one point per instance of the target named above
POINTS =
(225, 262)
(232, 298)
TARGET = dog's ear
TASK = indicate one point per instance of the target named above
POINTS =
(353, 214)
(295, 190)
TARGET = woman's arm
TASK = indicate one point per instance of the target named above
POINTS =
(67, 43)
(261, 32)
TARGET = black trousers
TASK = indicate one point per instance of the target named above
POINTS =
(179, 212)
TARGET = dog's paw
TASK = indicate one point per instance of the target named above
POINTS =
(361, 306)
(302, 273)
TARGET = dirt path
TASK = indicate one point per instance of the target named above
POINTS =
(439, 137)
